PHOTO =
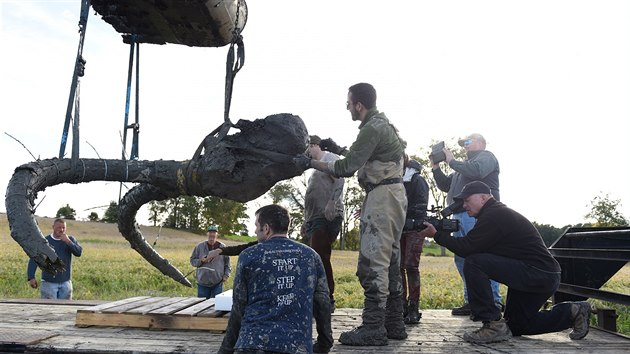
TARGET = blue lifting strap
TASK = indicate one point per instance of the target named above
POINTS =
(134, 44)
(79, 69)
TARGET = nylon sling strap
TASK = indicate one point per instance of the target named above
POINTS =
(79, 70)
(233, 64)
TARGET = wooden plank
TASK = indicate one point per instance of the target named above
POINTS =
(132, 305)
(178, 306)
(211, 312)
(204, 342)
(158, 303)
(18, 336)
(197, 323)
(113, 304)
(193, 310)
(150, 321)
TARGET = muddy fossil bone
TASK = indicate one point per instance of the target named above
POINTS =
(240, 167)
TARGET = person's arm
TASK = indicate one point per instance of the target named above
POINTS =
(440, 237)
(355, 158)
(74, 246)
(358, 155)
(335, 197)
(442, 181)
(477, 168)
(30, 273)
(230, 250)
(484, 235)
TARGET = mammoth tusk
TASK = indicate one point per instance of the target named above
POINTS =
(229, 170)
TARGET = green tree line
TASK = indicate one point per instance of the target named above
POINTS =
(196, 213)
(186, 212)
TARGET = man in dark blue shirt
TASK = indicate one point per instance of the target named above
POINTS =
(280, 285)
(59, 285)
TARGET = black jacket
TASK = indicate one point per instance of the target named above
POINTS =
(417, 197)
(502, 231)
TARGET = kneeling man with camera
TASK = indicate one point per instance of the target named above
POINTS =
(504, 246)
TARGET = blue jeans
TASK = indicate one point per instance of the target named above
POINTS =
(50, 290)
(466, 223)
(528, 290)
(209, 291)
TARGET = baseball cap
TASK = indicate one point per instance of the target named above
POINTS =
(473, 136)
(314, 139)
(474, 187)
(213, 228)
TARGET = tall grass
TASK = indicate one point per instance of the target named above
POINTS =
(110, 270)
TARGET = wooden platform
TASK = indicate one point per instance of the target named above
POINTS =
(156, 313)
(34, 325)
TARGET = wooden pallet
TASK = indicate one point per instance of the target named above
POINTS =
(190, 313)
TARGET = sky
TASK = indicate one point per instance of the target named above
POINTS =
(546, 82)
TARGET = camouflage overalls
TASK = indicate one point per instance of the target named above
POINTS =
(377, 155)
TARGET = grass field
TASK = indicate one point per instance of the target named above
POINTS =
(110, 270)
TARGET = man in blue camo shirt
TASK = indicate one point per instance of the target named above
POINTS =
(280, 285)
(57, 285)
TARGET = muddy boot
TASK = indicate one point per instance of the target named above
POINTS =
(371, 333)
(319, 347)
(580, 313)
(490, 332)
(414, 315)
(394, 323)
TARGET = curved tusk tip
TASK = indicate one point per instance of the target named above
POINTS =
(184, 281)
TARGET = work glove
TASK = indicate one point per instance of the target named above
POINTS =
(302, 162)
(331, 145)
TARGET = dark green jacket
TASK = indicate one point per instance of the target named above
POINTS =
(377, 140)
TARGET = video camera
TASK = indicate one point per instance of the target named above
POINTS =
(440, 224)
(437, 154)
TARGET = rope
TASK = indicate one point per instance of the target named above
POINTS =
(189, 273)
(38, 204)
(233, 64)
(157, 237)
